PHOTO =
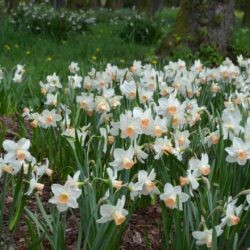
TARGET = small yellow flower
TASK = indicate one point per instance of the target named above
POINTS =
(49, 58)
(154, 62)
(93, 58)
(27, 52)
(7, 47)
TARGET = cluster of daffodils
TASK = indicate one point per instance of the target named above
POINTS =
(18, 158)
(43, 19)
(149, 120)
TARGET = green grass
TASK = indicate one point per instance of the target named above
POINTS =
(42, 55)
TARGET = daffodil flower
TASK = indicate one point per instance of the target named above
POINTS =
(116, 213)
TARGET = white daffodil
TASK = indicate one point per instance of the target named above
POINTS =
(86, 101)
(123, 159)
(18, 76)
(64, 196)
(12, 167)
(231, 127)
(248, 199)
(162, 146)
(139, 153)
(113, 178)
(239, 152)
(51, 99)
(104, 134)
(129, 126)
(145, 184)
(181, 138)
(42, 169)
(49, 118)
(73, 182)
(73, 67)
(34, 184)
(173, 196)
(201, 166)
(232, 213)
(53, 81)
(17, 150)
(1, 74)
(159, 126)
(213, 138)
(102, 104)
(205, 237)
(129, 89)
(75, 81)
(145, 119)
(116, 213)
(168, 106)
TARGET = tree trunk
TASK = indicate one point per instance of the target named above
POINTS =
(200, 22)
(114, 4)
(246, 18)
(156, 6)
(143, 5)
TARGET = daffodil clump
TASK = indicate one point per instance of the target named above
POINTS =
(43, 19)
(177, 137)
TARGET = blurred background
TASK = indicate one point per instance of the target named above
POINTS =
(51, 34)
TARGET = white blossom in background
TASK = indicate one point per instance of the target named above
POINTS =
(73, 67)
(231, 127)
(17, 150)
(86, 101)
(163, 146)
(54, 82)
(51, 99)
(64, 196)
(173, 196)
(129, 126)
(202, 165)
(232, 213)
(75, 81)
(113, 178)
(123, 159)
(73, 182)
(34, 184)
(117, 213)
(239, 152)
(145, 119)
(140, 155)
(18, 75)
(49, 118)
(205, 237)
(213, 138)
(129, 89)
(191, 180)
(1, 74)
(145, 184)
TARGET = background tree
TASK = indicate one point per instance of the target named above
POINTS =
(201, 22)
(246, 18)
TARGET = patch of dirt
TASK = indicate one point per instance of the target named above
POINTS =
(144, 230)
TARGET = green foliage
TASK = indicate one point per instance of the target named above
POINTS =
(141, 29)
(240, 42)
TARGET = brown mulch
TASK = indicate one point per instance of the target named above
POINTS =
(144, 230)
